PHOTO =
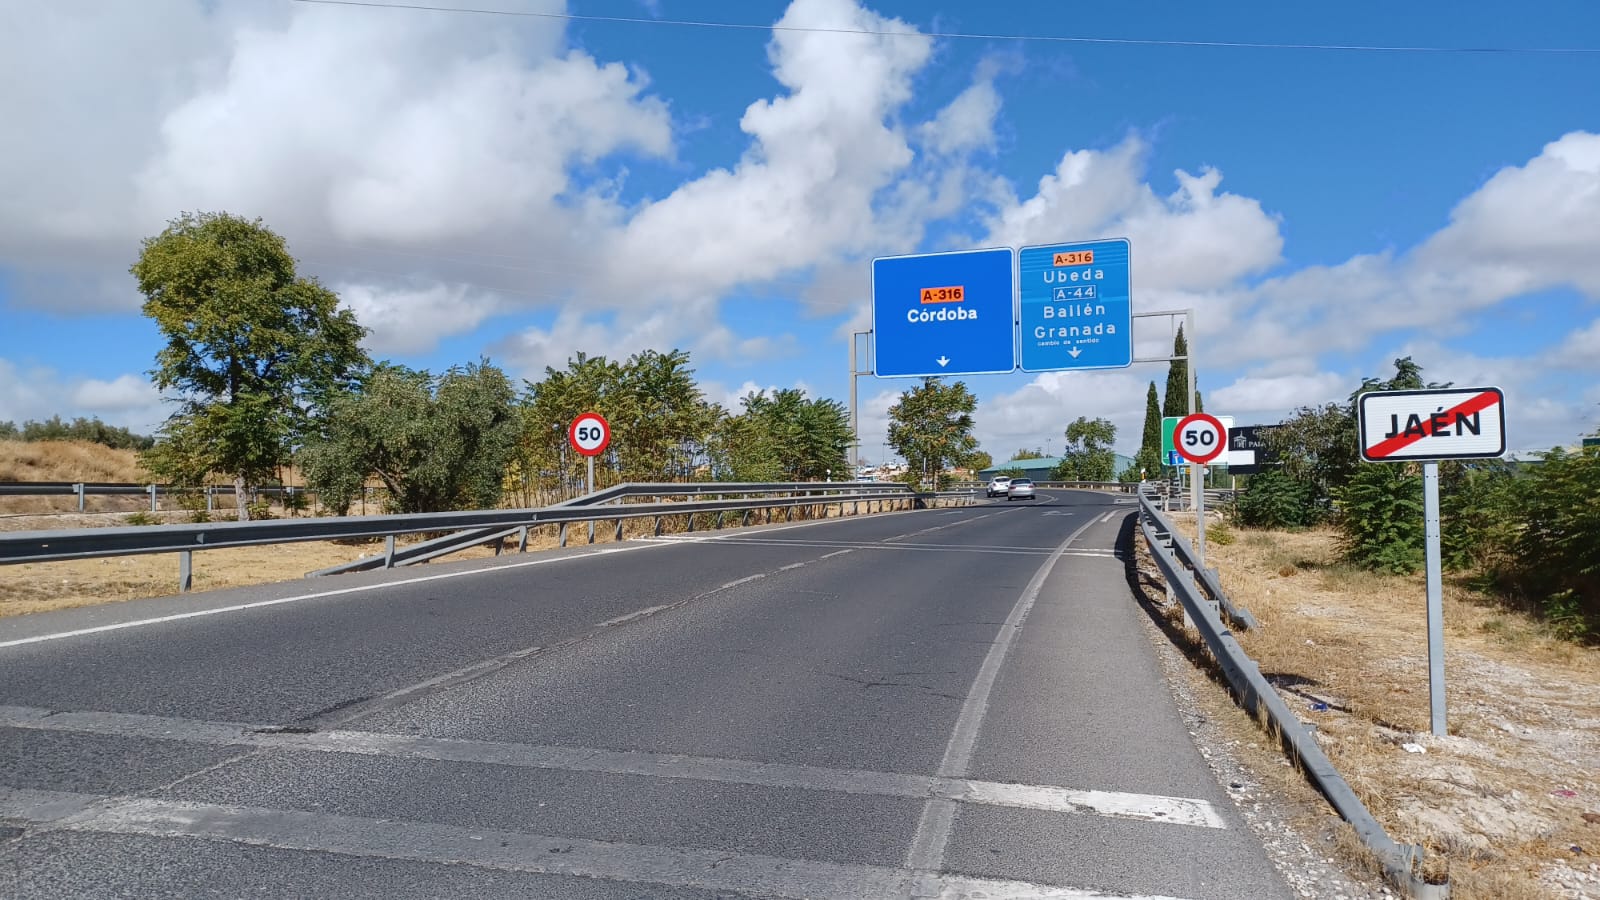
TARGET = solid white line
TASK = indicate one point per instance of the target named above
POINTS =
(790, 566)
(1048, 798)
(496, 849)
(836, 553)
(260, 604)
(938, 815)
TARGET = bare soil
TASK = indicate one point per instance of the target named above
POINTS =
(1509, 801)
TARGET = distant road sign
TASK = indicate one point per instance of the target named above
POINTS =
(1075, 309)
(1247, 449)
(589, 434)
(1173, 459)
(1201, 438)
(1446, 423)
(944, 314)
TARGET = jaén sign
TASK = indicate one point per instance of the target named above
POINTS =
(1445, 423)
(589, 434)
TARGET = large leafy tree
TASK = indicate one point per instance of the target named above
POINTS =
(437, 443)
(1088, 455)
(784, 435)
(931, 426)
(254, 352)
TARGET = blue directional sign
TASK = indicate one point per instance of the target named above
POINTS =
(944, 314)
(1075, 309)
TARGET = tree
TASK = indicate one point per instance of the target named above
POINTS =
(1148, 458)
(254, 352)
(1088, 455)
(1176, 401)
(978, 461)
(436, 443)
(789, 436)
(931, 425)
(1027, 454)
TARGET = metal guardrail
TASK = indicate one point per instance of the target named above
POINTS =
(1402, 863)
(492, 525)
(85, 489)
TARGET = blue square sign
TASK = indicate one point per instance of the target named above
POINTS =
(1076, 311)
(944, 314)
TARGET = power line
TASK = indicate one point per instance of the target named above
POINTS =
(1036, 38)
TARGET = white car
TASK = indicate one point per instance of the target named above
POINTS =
(998, 486)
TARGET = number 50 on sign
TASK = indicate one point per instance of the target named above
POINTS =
(1201, 438)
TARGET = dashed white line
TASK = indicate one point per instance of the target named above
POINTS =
(629, 617)
(836, 553)
(798, 565)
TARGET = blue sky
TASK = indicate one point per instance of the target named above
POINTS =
(526, 187)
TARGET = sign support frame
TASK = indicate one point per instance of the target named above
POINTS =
(1431, 529)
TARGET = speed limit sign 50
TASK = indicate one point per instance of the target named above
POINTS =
(1200, 438)
(589, 434)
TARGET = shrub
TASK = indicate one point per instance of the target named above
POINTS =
(1381, 519)
(1273, 500)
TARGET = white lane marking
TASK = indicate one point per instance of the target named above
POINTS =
(1107, 517)
(836, 553)
(629, 617)
(901, 537)
(1048, 798)
(938, 815)
(497, 849)
(798, 565)
(738, 581)
(261, 604)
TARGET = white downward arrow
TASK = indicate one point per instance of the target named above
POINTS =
(1074, 351)
(942, 361)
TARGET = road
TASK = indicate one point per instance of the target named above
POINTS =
(943, 703)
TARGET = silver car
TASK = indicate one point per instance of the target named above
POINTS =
(1020, 489)
(998, 485)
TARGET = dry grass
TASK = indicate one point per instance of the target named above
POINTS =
(1501, 799)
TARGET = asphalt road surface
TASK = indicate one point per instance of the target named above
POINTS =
(945, 703)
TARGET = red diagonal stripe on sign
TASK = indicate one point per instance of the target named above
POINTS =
(1475, 403)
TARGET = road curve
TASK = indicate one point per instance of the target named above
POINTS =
(944, 703)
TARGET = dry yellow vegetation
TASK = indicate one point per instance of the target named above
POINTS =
(1509, 801)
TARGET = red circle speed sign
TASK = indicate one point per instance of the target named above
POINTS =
(589, 434)
(1200, 438)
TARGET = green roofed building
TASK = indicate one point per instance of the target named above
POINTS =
(1039, 469)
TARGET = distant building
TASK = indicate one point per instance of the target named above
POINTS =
(1039, 469)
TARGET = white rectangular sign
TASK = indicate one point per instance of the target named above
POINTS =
(1444, 423)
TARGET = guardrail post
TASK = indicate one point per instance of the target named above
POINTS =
(152, 490)
(658, 526)
(619, 530)
(78, 489)
(744, 519)
(788, 514)
(561, 535)
(209, 495)
(718, 526)
(690, 523)
(388, 551)
(591, 525)
(522, 539)
(185, 571)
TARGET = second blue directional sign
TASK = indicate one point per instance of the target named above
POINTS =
(944, 314)
(1075, 308)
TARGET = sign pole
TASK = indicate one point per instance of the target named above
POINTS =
(1430, 527)
(590, 482)
(1199, 515)
(855, 428)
